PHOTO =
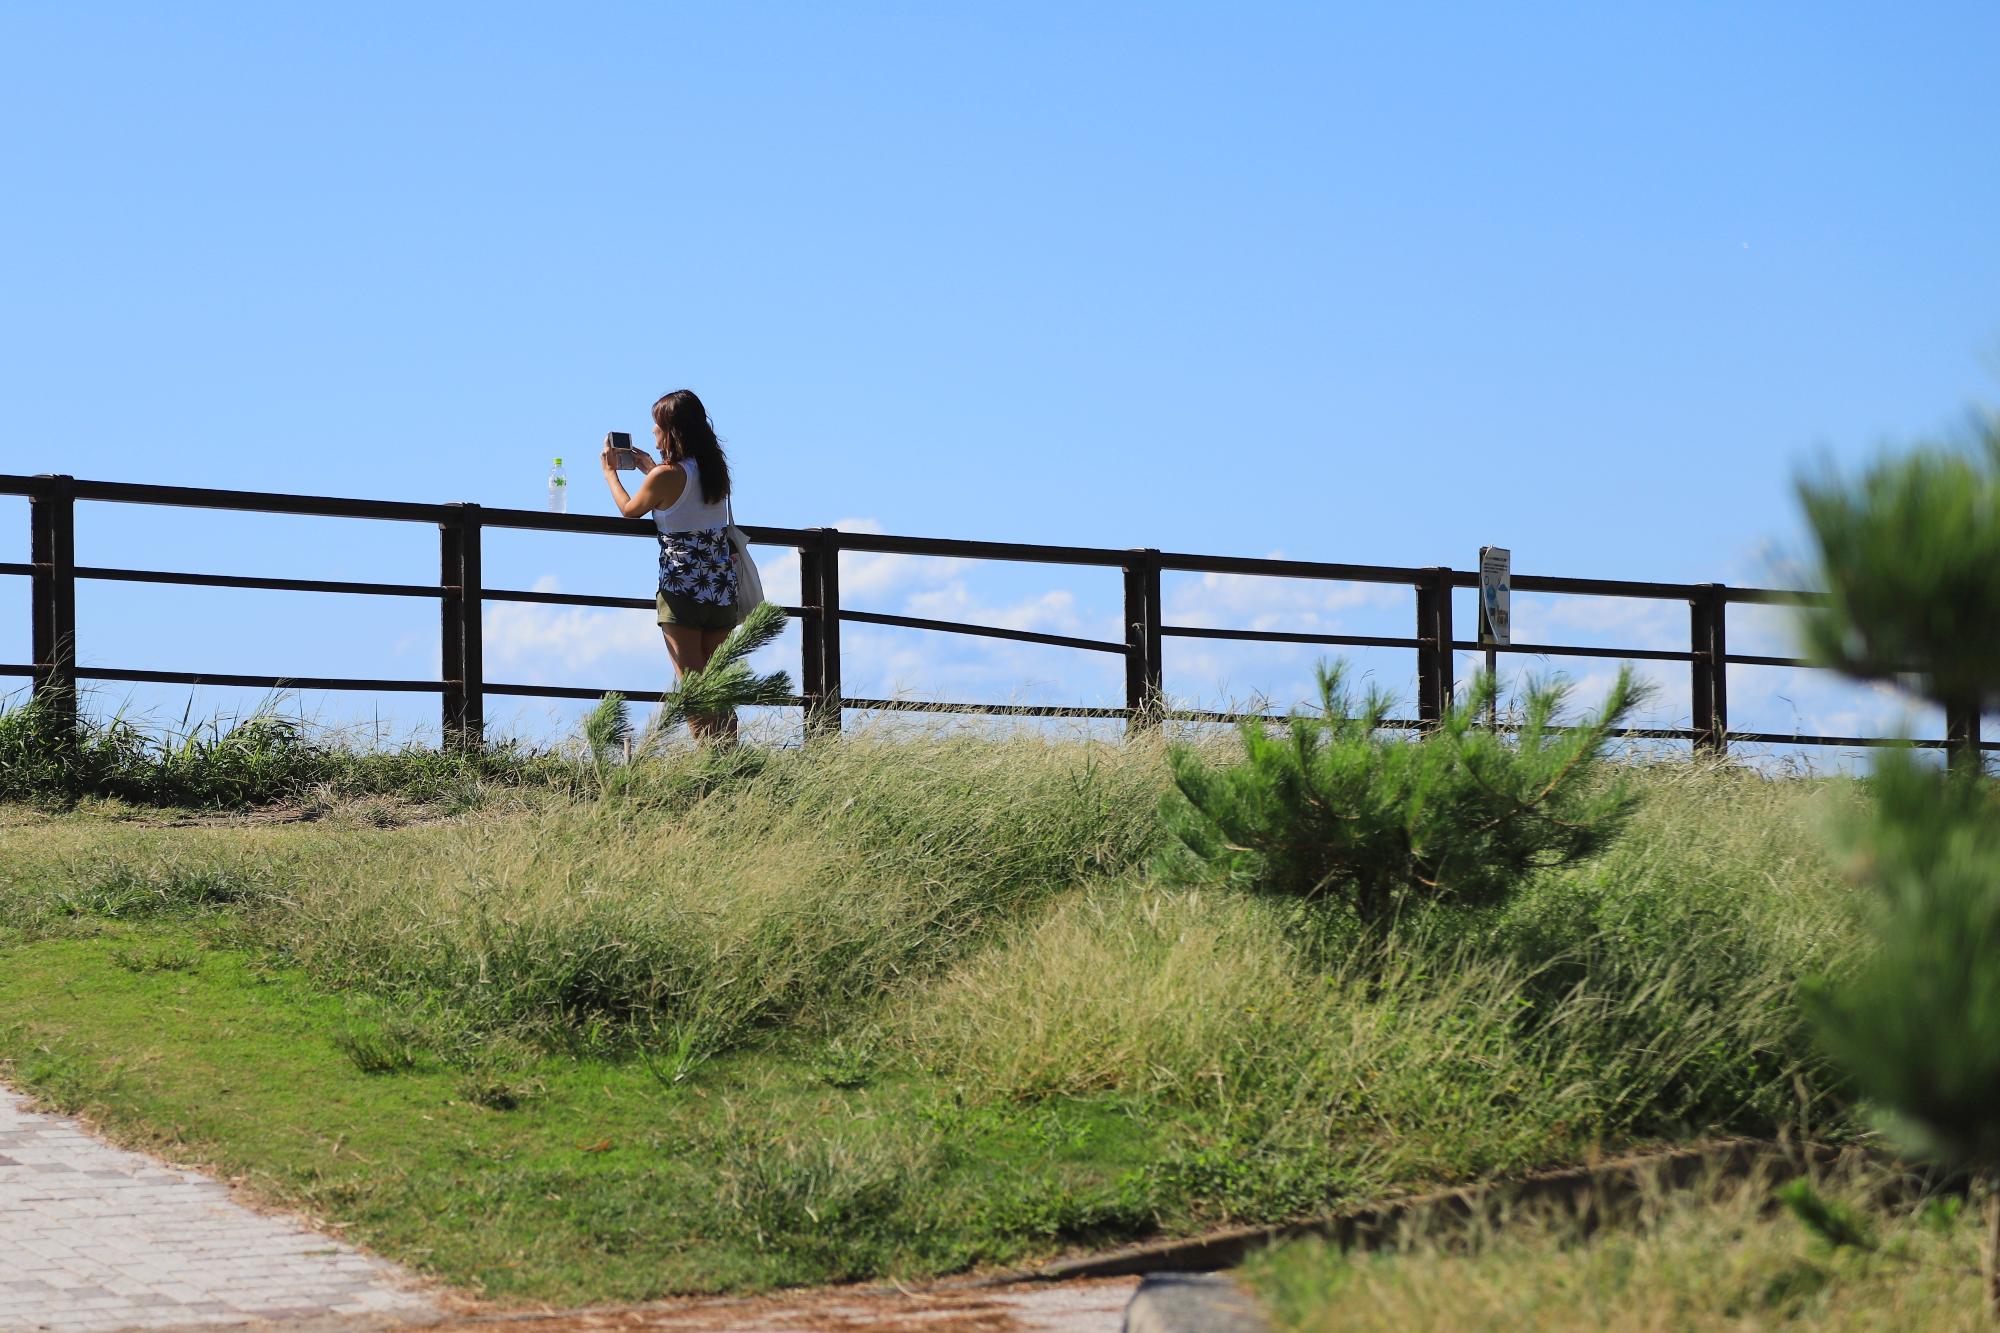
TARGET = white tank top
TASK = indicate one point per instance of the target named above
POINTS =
(690, 513)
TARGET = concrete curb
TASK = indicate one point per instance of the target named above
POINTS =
(1593, 1194)
(1192, 1303)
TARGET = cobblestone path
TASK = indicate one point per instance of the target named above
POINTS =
(96, 1238)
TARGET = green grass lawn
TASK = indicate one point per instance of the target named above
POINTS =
(558, 1178)
(895, 1006)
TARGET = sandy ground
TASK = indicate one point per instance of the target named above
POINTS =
(1089, 1306)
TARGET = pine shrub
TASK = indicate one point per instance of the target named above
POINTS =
(1907, 553)
(1918, 1022)
(1332, 806)
(1906, 556)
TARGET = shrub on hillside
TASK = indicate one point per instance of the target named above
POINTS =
(53, 756)
(1906, 556)
(1331, 806)
(46, 758)
(1918, 1023)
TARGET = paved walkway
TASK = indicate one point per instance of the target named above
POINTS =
(96, 1238)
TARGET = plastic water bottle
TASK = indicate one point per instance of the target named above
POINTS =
(558, 490)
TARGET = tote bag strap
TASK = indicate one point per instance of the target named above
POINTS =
(749, 583)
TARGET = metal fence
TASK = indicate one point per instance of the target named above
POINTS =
(460, 593)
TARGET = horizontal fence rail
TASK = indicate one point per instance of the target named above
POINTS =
(461, 595)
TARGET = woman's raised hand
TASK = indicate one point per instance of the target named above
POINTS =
(610, 463)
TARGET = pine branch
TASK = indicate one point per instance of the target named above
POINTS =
(727, 683)
(606, 728)
(763, 625)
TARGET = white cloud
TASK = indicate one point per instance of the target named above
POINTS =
(910, 664)
(1765, 631)
(895, 663)
(544, 644)
(863, 574)
(1224, 675)
(873, 574)
(1619, 622)
(780, 574)
(1254, 602)
(1052, 612)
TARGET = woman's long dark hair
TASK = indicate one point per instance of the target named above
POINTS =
(684, 421)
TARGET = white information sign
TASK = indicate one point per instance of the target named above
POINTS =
(1495, 573)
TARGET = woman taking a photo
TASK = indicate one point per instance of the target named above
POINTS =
(687, 493)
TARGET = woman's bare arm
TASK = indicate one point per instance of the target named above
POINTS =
(662, 486)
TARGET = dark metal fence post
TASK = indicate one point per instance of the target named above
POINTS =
(1718, 650)
(1435, 681)
(1145, 674)
(819, 648)
(1708, 641)
(1447, 679)
(829, 647)
(812, 688)
(462, 628)
(451, 624)
(1701, 671)
(1961, 734)
(52, 551)
(1426, 636)
(473, 631)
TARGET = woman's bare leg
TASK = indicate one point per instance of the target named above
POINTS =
(686, 644)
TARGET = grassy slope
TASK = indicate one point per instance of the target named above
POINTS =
(929, 1007)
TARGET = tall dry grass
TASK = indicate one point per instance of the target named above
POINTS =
(986, 909)
(721, 893)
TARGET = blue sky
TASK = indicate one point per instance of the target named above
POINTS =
(1374, 285)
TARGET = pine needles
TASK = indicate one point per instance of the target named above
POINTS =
(1330, 806)
(727, 682)
(1906, 554)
